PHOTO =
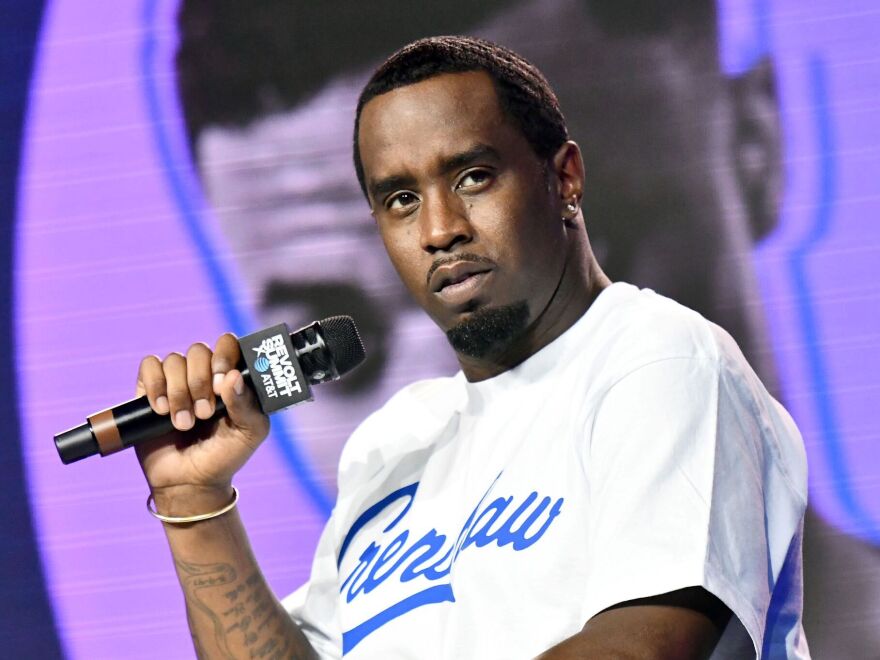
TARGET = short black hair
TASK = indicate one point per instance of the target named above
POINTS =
(523, 91)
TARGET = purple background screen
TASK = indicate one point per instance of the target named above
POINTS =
(118, 254)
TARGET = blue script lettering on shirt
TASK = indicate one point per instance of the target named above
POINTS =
(503, 521)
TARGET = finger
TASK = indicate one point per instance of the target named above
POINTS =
(151, 381)
(198, 378)
(242, 408)
(179, 399)
(226, 356)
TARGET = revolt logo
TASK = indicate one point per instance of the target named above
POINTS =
(274, 369)
(273, 356)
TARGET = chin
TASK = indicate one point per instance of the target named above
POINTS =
(489, 331)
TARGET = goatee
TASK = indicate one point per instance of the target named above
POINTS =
(489, 331)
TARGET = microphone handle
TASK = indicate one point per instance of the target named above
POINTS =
(286, 365)
(137, 421)
(124, 425)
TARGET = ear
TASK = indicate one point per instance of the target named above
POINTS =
(757, 148)
(568, 168)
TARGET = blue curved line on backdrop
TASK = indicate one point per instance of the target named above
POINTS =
(188, 204)
(763, 46)
(827, 191)
(831, 444)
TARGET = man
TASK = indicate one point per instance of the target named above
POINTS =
(684, 179)
(605, 477)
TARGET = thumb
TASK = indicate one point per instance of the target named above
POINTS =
(242, 408)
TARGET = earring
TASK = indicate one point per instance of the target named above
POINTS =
(571, 209)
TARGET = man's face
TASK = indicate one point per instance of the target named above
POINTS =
(468, 214)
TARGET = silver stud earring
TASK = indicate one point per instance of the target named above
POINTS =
(571, 208)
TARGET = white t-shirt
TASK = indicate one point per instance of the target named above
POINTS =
(636, 454)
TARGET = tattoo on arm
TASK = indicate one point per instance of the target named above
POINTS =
(197, 644)
(248, 611)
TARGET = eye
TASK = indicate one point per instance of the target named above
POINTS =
(474, 179)
(401, 200)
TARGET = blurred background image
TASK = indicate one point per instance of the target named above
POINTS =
(175, 169)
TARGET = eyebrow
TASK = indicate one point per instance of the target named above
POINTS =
(389, 184)
(476, 153)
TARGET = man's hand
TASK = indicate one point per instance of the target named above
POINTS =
(231, 610)
(191, 471)
(680, 625)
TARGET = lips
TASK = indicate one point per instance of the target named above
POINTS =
(458, 281)
(455, 273)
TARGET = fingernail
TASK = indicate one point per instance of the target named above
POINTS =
(238, 385)
(203, 408)
(183, 420)
(162, 405)
(218, 378)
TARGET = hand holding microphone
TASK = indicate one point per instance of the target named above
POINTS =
(218, 399)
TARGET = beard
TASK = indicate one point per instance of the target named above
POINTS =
(489, 331)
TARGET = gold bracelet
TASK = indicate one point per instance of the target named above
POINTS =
(183, 520)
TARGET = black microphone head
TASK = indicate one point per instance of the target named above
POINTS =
(342, 338)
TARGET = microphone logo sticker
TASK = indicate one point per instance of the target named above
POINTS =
(273, 356)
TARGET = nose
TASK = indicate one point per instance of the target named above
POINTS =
(444, 223)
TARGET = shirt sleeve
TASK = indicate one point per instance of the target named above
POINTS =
(314, 605)
(681, 473)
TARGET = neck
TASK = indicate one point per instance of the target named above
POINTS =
(580, 284)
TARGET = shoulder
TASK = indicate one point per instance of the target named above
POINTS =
(644, 332)
(658, 349)
(638, 327)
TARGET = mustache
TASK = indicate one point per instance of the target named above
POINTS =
(454, 259)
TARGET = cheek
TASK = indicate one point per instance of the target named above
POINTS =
(536, 252)
(527, 231)
(403, 251)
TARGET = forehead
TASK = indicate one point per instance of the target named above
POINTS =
(429, 119)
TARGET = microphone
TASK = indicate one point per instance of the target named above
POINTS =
(277, 364)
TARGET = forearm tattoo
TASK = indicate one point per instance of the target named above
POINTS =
(244, 610)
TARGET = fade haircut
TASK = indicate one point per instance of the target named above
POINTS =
(523, 92)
